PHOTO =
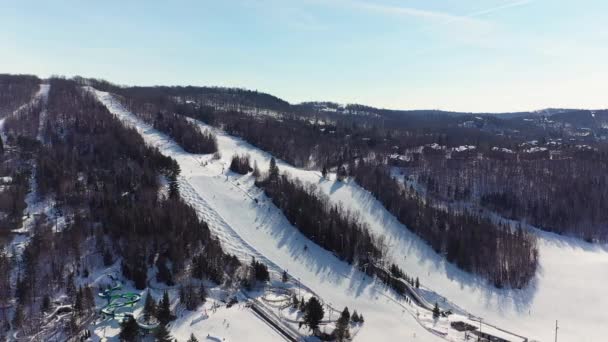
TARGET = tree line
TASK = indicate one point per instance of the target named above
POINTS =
(104, 185)
(328, 225)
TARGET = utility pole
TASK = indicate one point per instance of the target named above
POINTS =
(556, 327)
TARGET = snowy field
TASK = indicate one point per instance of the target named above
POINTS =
(246, 228)
(571, 272)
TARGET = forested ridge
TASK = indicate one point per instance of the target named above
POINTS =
(104, 185)
(15, 91)
(540, 168)
(329, 225)
(359, 146)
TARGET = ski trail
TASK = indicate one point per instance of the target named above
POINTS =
(231, 241)
(241, 223)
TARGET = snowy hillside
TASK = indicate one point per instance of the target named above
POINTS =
(220, 194)
(556, 292)
(227, 203)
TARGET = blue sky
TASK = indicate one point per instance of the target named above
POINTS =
(481, 55)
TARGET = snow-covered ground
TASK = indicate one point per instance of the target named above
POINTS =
(246, 227)
(571, 271)
(569, 285)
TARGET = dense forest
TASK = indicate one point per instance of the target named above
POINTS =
(543, 168)
(564, 194)
(104, 185)
(15, 91)
(329, 225)
(159, 111)
(344, 144)
(505, 256)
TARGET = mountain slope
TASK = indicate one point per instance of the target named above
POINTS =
(274, 239)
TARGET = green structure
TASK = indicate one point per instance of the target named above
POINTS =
(117, 300)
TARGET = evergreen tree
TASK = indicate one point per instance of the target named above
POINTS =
(273, 170)
(341, 174)
(128, 330)
(78, 302)
(88, 298)
(256, 170)
(173, 187)
(149, 307)
(285, 277)
(202, 294)
(295, 302)
(70, 287)
(182, 295)
(417, 283)
(46, 303)
(73, 324)
(355, 317)
(164, 309)
(18, 317)
(342, 331)
(108, 259)
(192, 338)
(324, 171)
(436, 311)
(162, 334)
(259, 270)
(313, 313)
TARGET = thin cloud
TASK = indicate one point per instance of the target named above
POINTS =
(499, 8)
(409, 11)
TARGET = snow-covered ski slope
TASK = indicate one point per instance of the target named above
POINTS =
(569, 285)
(572, 273)
(248, 228)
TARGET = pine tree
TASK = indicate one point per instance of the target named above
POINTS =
(256, 170)
(78, 302)
(46, 303)
(161, 334)
(273, 170)
(342, 331)
(70, 287)
(313, 313)
(355, 317)
(341, 174)
(88, 298)
(149, 307)
(182, 295)
(324, 171)
(436, 311)
(128, 330)
(108, 260)
(164, 309)
(295, 302)
(18, 317)
(417, 283)
(285, 277)
(173, 187)
(72, 324)
(202, 294)
(192, 338)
